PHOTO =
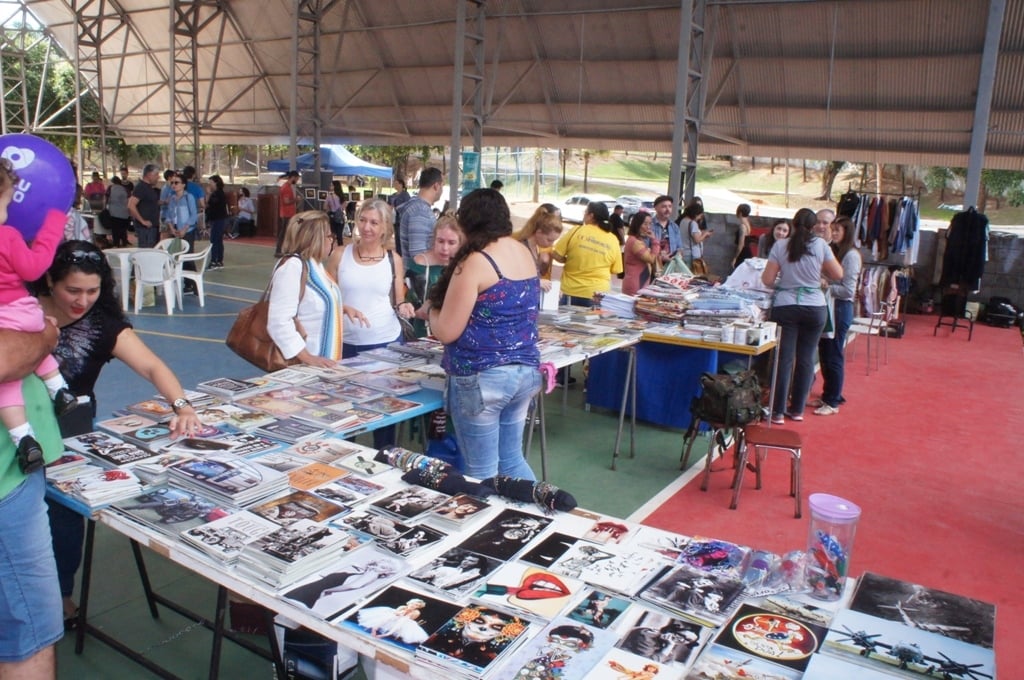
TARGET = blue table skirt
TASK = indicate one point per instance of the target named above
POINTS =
(668, 378)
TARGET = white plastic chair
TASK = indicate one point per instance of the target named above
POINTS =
(201, 260)
(182, 248)
(155, 268)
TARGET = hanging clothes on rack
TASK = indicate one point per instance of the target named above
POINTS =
(963, 263)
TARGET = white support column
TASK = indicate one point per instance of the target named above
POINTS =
(983, 104)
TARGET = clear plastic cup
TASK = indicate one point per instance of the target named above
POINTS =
(829, 544)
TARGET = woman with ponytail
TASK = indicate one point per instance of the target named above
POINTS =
(591, 254)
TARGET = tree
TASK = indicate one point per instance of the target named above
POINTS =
(828, 178)
(1000, 184)
(396, 157)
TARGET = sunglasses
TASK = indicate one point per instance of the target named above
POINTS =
(80, 256)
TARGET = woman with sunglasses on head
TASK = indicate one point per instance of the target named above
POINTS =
(313, 301)
(78, 291)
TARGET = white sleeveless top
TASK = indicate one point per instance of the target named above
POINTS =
(367, 287)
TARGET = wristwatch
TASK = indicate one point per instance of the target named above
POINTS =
(180, 403)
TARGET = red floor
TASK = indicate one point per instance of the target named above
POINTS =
(928, 447)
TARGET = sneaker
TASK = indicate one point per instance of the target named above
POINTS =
(795, 417)
(232, 236)
(826, 410)
(778, 419)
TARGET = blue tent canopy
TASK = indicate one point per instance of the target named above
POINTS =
(336, 159)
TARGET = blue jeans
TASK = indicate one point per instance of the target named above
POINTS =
(801, 329)
(217, 240)
(831, 353)
(383, 437)
(31, 617)
(488, 410)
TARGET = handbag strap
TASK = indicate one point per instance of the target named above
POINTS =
(302, 283)
(391, 261)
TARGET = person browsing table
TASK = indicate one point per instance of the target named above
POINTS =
(484, 309)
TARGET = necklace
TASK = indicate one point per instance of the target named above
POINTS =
(368, 258)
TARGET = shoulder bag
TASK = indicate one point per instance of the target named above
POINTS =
(249, 339)
(408, 331)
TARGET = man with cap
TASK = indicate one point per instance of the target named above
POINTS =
(286, 205)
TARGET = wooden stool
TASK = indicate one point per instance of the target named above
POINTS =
(761, 439)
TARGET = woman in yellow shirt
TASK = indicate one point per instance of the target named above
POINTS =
(591, 254)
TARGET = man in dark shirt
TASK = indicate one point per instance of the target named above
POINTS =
(144, 207)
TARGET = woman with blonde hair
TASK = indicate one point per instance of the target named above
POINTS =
(427, 266)
(372, 281)
(302, 290)
(539, 234)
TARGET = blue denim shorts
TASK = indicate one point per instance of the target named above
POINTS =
(31, 617)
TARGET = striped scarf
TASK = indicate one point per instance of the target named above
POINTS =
(319, 283)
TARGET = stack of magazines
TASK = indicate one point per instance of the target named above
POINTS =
(224, 538)
(291, 553)
(95, 486)
(227, 479)
(170, 510)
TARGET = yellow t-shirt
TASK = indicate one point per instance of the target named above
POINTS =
(592, 255)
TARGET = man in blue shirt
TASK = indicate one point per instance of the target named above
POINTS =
(665, 231)
(416, 216)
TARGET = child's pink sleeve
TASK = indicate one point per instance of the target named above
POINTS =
(37, 258)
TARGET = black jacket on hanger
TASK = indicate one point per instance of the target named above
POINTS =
(966, 242)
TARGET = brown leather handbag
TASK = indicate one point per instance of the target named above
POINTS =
(249, 339)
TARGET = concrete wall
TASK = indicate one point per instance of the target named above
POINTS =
(1004, 272)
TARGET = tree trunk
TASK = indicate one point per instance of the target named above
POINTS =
(828, 178)
(586, 171)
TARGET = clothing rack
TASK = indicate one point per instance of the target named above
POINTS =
(904, 270)
(915, 195)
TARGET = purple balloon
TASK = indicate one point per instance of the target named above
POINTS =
(45, 180)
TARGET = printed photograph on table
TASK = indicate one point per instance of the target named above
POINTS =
(297, 505)
(199, 446)
(357, 484)
(624, 571)
(460, 509)
(224, 538)
(363, 462)
(705, 597)
(266, 404)
(289, 430)
(599, 609)
(326, 450)
(456, 571)
(610, 531)
(400, 617)
(235, 416)
(904, 650)
(386, 383)
(936, 611)
(474, 640)
(227, 475)
(169, 509)
(411, 502)
(658, 637)
(356, 393)
(718, 663)
(507, 534)
(665, 543)
(417, 537)
(530, 590)
(326, 418)
(778, 638)
(282, 461)
(333, 591)
(249, 444)
(313, 475)
(549, 549)
(377, 526)
(391, 406)
(299, 540)
(152, 408)
(563, 650)
(363, 417)
(122, 424)
(618, 664)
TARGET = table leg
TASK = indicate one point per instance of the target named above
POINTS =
(775, 375)
(218, 631)
(543, 437)
(628, 388)
(147, 587)
(83, 605)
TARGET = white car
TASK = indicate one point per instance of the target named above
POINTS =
(576, 205)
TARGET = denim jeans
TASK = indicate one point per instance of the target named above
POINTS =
(30, 609)
(488, 410)
(831, 353)
(578, 301)
(801, 329)
(217, 240)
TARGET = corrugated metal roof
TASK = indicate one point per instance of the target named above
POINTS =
(859, 80)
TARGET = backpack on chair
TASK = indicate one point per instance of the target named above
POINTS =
(729, 399)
